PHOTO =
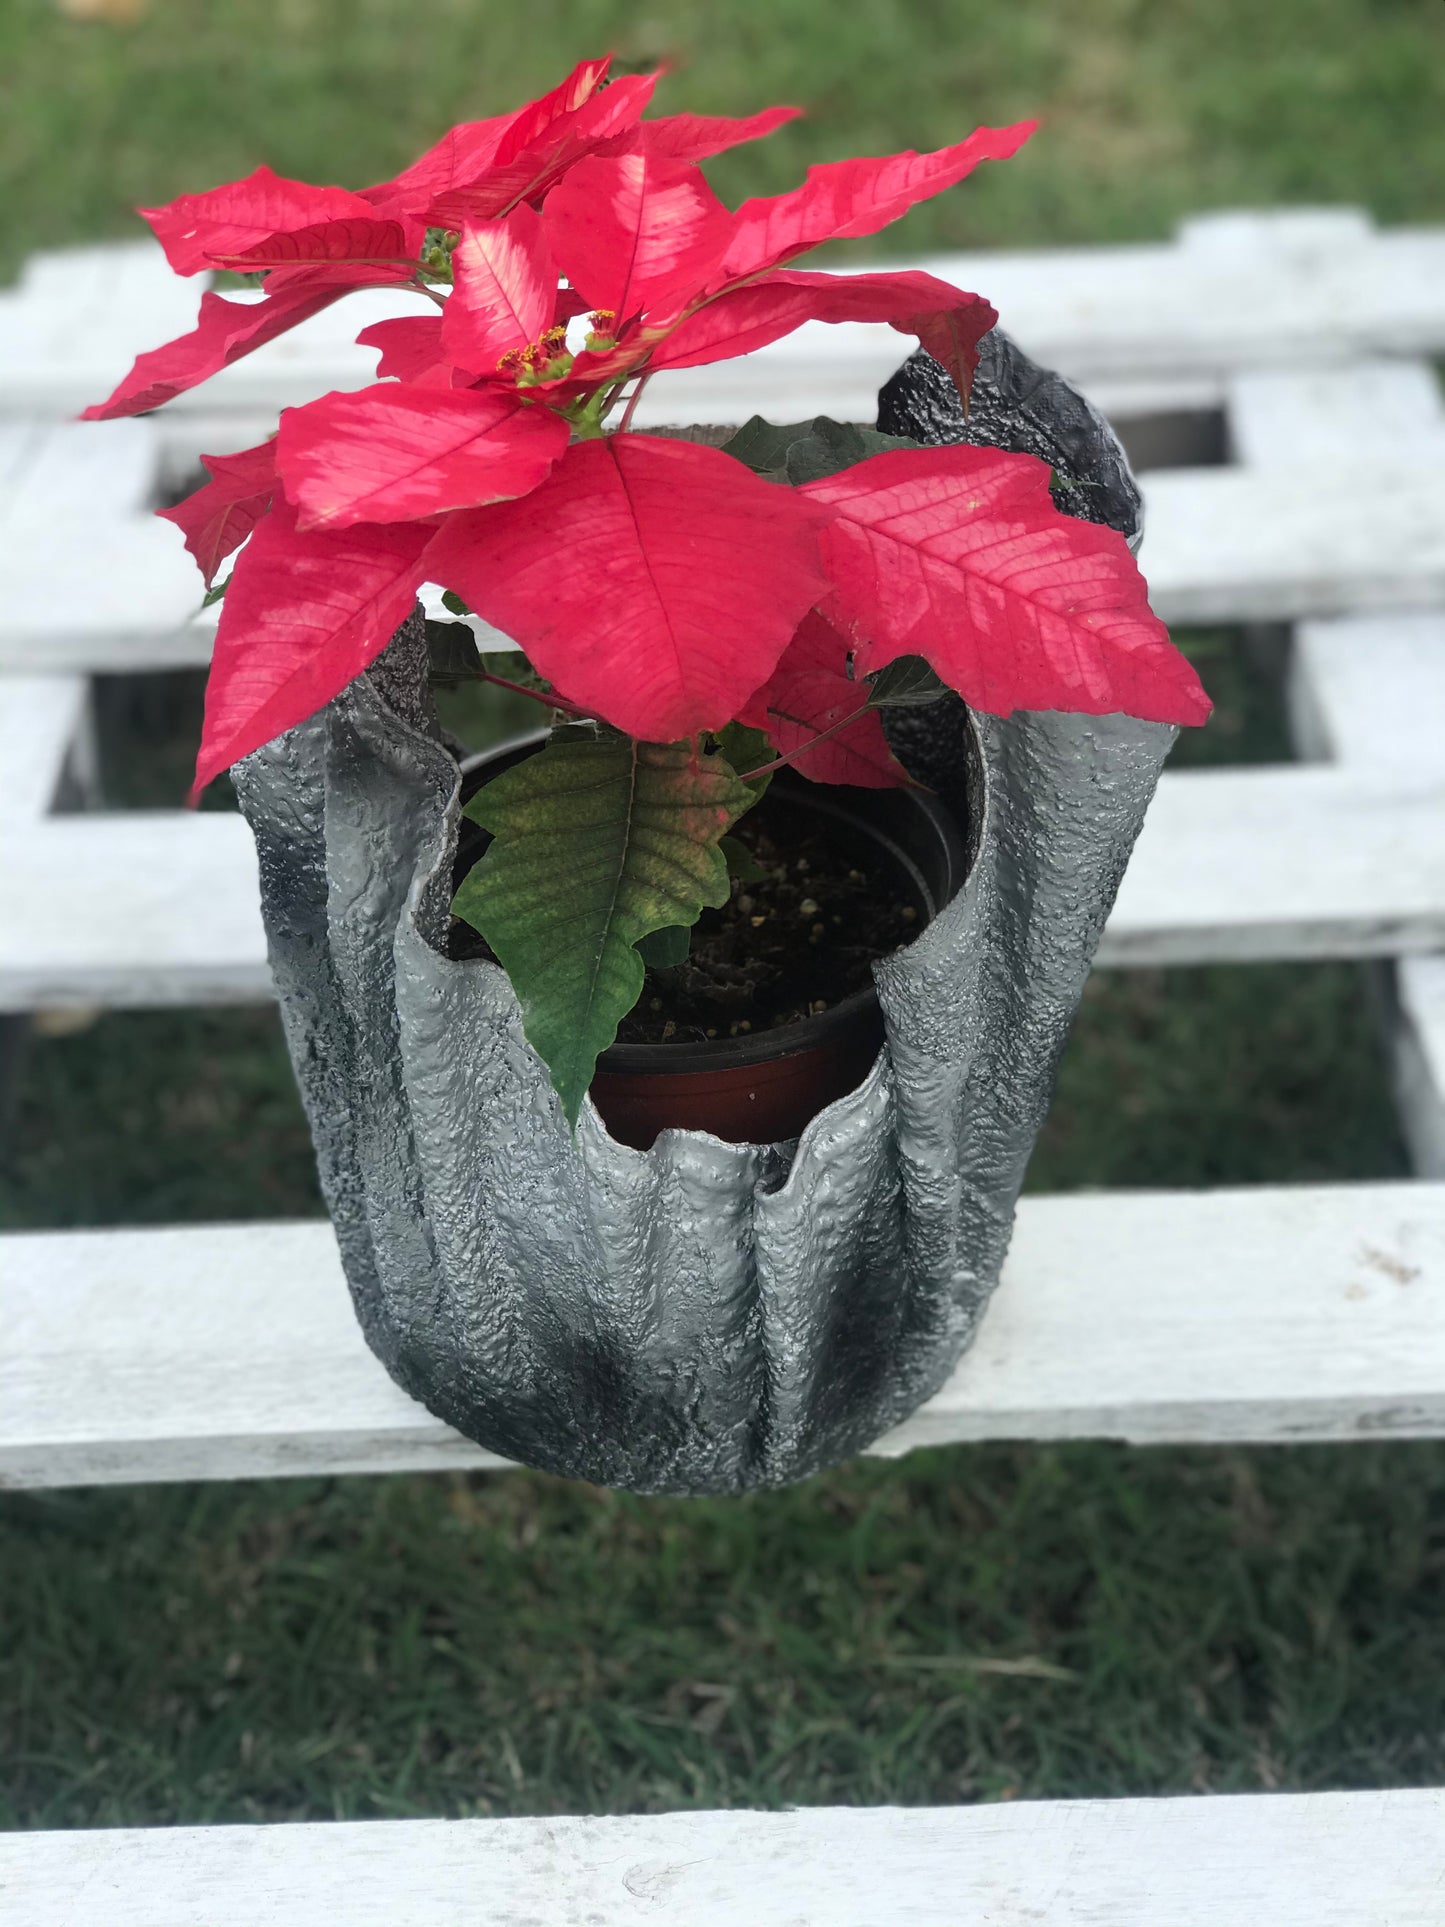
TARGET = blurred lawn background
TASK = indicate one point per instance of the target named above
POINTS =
(972, 1623)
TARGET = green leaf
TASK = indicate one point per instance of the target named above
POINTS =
(836, 445)
(907, 683)
(666, 949)
(763, 446)
(743, 866)
(215, 593)
(454, 603)
(595, 846)
(747, 749)
(807, 451)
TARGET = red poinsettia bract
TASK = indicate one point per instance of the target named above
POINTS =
(562, 256)
(958, 555)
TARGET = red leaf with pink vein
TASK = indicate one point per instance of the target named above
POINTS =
(395, 454)
(305, 613)
(810, 691)
(693, 137)
(224, 221)
(958, 555)
(225, 332)
(844, 199)
(220, 515)
(504, 292)
(542, 163)
(529, 123)
(380, 247)
(464, 153)
(656, 583)
(410, 344)
(953, 321)
(636, 231)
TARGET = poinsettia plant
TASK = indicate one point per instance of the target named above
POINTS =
(692, 616)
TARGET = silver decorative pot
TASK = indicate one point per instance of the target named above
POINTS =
(703, 1316)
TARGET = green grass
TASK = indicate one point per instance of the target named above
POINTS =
(976, 1623)
(1151, 108)
(970, 1624)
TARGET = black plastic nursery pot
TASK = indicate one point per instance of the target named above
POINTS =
(765, 1087)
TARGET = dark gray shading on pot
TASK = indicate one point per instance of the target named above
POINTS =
(703, 1317)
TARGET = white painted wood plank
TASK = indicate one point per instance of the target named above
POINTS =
(1242, 865)
(171, 912)
(1370, 693)
(1249, 1315)
(42, 718)
(1233, 291)
(1233, 864)
(1269, 1860)
(114, 595)
(74, 473)
(1229, 545)
(79, 318)
(1418, 1049)
(1371, 690)
(1222, 545)
(1321, 418)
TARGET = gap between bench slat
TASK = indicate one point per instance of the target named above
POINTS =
(1273, 1860)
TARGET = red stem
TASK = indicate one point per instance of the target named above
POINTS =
(554, 701)
(766, 769)
(633, 400)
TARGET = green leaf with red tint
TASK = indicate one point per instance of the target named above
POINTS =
(623, 839)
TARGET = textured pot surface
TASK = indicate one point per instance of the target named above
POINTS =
(704, 1316)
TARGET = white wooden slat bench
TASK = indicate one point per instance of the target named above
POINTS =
(1170, 328)
(1147, 324)
(113, 590)
(1278, 1860)
(1351, 867)
(1259, 1315)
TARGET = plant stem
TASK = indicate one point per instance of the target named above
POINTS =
(551, 699)
(766, 769)
(626, 421)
